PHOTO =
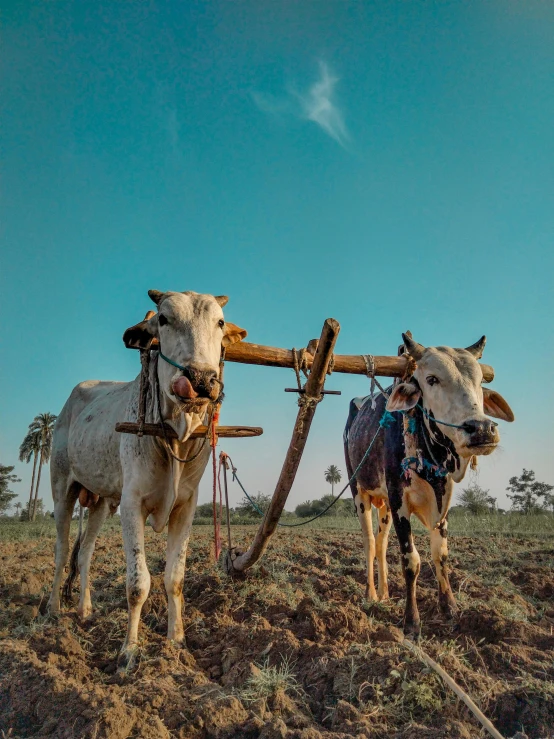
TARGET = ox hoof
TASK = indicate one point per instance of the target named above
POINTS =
(53, 608)
(448, 608)
(370, 594)
(412, 632)
(127, 660)
(84, 613)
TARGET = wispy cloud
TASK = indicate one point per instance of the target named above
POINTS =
(317, 104)
(319, 107)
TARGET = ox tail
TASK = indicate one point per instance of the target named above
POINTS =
(352, 413)
(74, 561)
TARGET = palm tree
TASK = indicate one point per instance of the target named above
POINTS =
(17, 507)
(37, 442)
(30, 448)
(333, 476)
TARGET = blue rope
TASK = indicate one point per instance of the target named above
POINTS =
(436, 420)
(170, 361)
(386, 420)
(422, 464)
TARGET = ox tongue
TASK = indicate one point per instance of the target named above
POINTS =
(183, 388)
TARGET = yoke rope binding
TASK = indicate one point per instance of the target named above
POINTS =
(369, 360)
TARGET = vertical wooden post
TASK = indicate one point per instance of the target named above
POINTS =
(235, 560)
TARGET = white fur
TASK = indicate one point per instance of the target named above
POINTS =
(136, 472)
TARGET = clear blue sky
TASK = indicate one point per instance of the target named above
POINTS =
(387, 164)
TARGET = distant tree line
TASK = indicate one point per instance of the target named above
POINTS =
(527, 494)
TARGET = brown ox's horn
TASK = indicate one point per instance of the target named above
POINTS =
(155, 296)
(414, 349)
(477, 348)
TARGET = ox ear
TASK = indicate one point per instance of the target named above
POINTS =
(233, 334)
(403, 397)
(141, 335)
(494, 405)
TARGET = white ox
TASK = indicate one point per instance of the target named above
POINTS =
(93, 462)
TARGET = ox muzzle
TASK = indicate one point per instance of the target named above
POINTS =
(196, 385)
(483, 435)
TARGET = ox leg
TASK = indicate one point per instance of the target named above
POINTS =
(178, 535)
(138, 577)
(96, 516)
(439, 553)
(410, 566)
(63, 510)
(385, 522)
(362, 501)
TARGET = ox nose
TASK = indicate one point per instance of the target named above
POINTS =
(204, 382)
(481, 431)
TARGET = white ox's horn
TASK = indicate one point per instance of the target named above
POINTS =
(414, 349)
(477, 348)
(156, 296)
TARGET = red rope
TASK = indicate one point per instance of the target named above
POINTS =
(217, 519)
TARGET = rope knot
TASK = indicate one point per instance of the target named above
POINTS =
(369, 360)
(387, 419)
(411, 366)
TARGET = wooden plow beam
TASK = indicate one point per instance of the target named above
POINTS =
(235, 560)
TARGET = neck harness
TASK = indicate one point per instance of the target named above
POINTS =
(428, 463)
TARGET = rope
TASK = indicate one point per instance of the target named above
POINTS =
(385, 421)
(420, 465)
(217, 519)
(223, 463)
(436, 420)
(453, 685)
(300, 364)
(369, 360)
(411, 366)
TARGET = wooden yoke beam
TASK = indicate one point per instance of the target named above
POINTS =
(244, 352)
(238, 561)
(353, 364)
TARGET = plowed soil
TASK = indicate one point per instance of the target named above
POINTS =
(292, 650)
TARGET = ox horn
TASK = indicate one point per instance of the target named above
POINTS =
(477, 348)
(156, 296)
(222, 300)
(414, 349)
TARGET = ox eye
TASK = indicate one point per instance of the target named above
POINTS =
(162, 320)
(432, 380)
(221, 323)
